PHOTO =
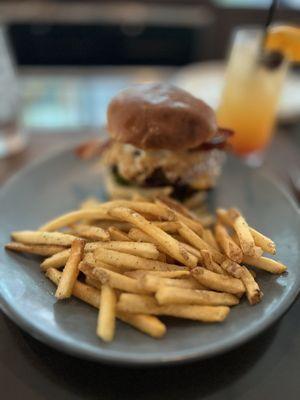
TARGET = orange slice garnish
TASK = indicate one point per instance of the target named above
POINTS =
(285, 39)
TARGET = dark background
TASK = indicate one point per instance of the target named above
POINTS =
(66, 32)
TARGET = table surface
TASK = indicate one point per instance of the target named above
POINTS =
(264, 368)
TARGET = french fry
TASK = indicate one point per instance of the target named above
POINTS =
(162, 257)
(170, 227)
(114, 279)
(266, 264)
(263, 241)
(210, 264)
(199, 243)
(93, 282)
(230, 248)
(129, 261)
(80, 290)
(193, 224)
(58, 260)
(195, 200)
(174, 295)
(253, 292)
(90, 259)
(223, 216)
(206, 220)
(40, 250)
(39, 237)
(146, 250)
(164, 274)
(169, 244)
(134, 303)
(71, 271)
(139, 236)
(138, 197)
(91, 202)
(209, 238)
(258, 251)
(242, 229)
(221, 283)
(152, 283)
(107, 314)
(91, 232)
(143, 208)
(145, 323)
(75, 216)
(260, 240)
(117, 234)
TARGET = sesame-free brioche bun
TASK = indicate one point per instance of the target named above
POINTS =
(160, 116)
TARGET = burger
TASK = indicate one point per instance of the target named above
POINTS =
(163, 141)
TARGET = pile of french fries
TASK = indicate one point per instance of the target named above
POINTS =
(135, 260)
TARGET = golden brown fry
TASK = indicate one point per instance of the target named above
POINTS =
(258, 251)
(242, 229)
(80, 290)
(152, 283)
(199, 243)
(134, 303)
(263, 241)
(164, 274)
(93, 282)
(75, 216)
(206, 220)
(40, 250)
(148, 324)
(117, 234)
(195, 200)
(230, 248)
(91, 202)
(253, 292)
(71, 271)
(141, 249)
(58, 260)
(39, 237)
(267, 264)
(91, 232)
(221, 283)
(260, 240)
(167, 242)
(143, 208)
(209, 238)
(189, 220)
(140, 236)
(174, 295)
(170, 227)
(145, 323)
(107, 314)
(90, 259)
(210, 264)
(114, 279)
(129, 261)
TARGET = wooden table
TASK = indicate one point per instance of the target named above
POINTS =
(265, 368)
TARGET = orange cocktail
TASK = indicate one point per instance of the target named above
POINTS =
(253, 84)
(251, 93)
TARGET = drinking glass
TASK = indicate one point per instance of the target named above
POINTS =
(250, 97)
(12, 138)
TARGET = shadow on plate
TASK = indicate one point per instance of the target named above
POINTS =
(89, 380)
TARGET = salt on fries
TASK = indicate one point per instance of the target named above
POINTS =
(136, 259)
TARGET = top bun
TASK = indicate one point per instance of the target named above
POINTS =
(160, 116)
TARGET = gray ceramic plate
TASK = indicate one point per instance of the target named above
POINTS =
(56, 185)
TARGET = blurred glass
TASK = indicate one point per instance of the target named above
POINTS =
(12, 139)
(251, 93)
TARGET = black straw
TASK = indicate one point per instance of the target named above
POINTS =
(271, 13)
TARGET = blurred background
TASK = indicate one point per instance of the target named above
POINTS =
(70, 57)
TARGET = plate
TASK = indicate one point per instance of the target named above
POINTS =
(205, 80)
(57, 184)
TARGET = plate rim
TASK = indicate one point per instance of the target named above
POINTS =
(133, 359)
